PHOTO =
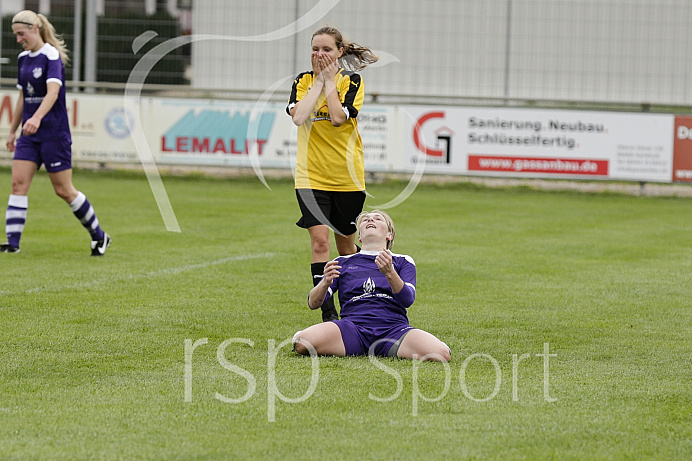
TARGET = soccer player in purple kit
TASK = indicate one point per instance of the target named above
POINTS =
(45, 137)
(375, 288)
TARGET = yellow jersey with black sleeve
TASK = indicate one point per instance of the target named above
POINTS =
(330, 158)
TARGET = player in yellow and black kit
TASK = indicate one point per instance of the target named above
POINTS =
(329, 176)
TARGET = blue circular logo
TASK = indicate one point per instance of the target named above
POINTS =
(119, 123)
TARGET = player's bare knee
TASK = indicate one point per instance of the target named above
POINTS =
(445, 355)
(63, 193)
(320, 246)
(300, 348)
(20, 186)
(440, 353)
(444, 352)
(300, 344)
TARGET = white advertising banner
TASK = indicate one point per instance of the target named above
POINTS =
(200, 132)
(536, 143)
(539, 142)
(244, 134)
(100, 127)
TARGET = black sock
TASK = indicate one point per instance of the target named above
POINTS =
(328, 308)
(317, 270)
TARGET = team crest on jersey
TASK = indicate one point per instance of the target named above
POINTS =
(38, 71)
(29, 89)
(369, 286)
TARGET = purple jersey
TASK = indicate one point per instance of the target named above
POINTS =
(36, 70)
(365, 295)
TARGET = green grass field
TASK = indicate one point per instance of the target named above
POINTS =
(94, 364)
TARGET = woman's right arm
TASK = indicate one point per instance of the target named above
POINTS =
(303, 108)
(16, 121)
(317, 294)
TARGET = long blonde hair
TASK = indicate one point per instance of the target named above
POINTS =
(45, 28)
(355, 56)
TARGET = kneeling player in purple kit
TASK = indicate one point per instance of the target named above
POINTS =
(375, 288)
(41, 109)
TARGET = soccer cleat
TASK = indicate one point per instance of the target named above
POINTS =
(99, 247)
(7, 248)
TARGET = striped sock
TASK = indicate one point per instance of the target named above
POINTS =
(83, 210)
(15, 217)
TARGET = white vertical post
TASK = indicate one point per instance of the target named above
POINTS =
(90, 48)
(150, 7)
(508, 48)
(44, 7)
(77, 45)
(172, 7)
(1, 58)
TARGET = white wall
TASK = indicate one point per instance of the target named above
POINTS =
(11, 6)
(606, 50)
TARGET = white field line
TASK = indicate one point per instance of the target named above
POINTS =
(147, 275)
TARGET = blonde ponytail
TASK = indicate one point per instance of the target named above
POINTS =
(45, 28)
(49, 36)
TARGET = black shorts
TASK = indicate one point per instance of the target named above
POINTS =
(337, 210)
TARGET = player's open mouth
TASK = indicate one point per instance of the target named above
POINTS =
(370, 226)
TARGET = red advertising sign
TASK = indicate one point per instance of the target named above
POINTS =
(540, 165)
(682, 149)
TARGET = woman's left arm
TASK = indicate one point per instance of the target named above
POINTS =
(404, 292)
(386, 265)
(32, 125)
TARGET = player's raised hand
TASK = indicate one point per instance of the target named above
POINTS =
(384, 262)
(331, 271)
(317, 67)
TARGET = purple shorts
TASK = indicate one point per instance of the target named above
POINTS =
(55, 153)
(359, 339)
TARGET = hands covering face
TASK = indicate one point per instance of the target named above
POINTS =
(323, 66)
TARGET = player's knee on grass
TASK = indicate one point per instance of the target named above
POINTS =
(299, 344)
(427, 347)
(444, 352)
(439, 352)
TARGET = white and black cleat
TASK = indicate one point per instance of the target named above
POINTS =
(99, 247)
(7, 248)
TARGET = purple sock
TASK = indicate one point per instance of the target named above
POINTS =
(15, 217)
(83, 210)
